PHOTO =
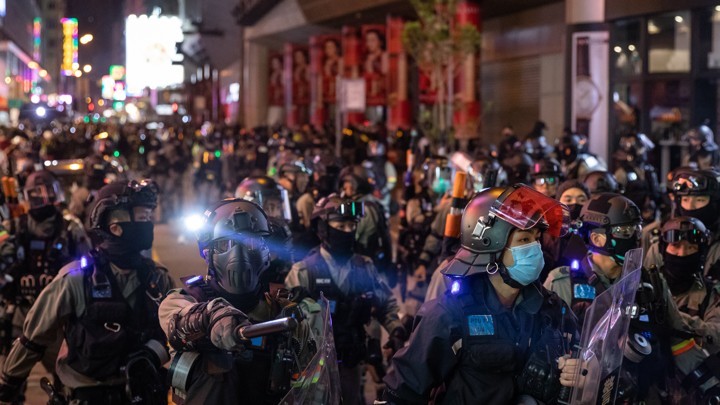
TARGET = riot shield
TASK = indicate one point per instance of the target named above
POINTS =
(319, 382)
(604, 337)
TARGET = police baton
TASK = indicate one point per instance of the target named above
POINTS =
(266, 328)
(55, 397)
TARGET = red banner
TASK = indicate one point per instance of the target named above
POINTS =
(398, 114)
(375, 64)
(276, 89)
(297, 84)
(466, 115)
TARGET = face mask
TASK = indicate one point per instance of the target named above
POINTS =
(528, 264)
(237, 271)
(124, 250)
(679, 271)
(42, 213)
(621, 247)
(339, 244)
(706, 214)
(575, 211)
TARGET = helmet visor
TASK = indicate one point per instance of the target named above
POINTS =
(43, 195)
(524, 208)
(348, 210)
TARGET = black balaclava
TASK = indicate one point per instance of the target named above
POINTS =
(681, 271)
(339, 244)
(125, 250)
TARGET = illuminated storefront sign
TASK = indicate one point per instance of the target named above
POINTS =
(70, 46)
(150, 51)
(36, 38)
(117, 72)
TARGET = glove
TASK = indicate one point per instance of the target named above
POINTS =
(10, 388)
(223, 326)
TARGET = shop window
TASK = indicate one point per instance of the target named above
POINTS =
(668, 107)
(709, 44)
(669, 42)
(625, 49)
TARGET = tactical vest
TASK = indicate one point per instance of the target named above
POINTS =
(110, 330)
(585, 286)
(497, 346)
(231, 376)
(350, 311)
(40, 259)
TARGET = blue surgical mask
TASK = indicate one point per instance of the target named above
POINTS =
(529, 262)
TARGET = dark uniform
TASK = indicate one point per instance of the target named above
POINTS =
(469, 347)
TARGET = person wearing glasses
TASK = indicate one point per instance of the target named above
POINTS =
(352, 284)
(545, 176)
(105, 306)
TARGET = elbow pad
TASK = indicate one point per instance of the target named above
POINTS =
(191, 331)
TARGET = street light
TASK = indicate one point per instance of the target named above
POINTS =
(86, 39)
(87, 68)
(78, 73)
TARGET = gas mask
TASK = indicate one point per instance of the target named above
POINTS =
(238, 263)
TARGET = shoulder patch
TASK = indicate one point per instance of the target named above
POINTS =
(584, 292)
(481, 325)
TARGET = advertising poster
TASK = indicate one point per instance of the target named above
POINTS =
(398, 114)
(466, 115)
(325, 66)
(297, 84)
(375, 64)
(352, 53)
(276, 88)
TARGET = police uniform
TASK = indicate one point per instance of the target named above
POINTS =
(653, 257)
(70, 304)
(477, 347)
(354, 290)
(700, 309)
(226, 375)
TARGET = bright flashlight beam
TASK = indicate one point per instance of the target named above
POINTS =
(40, 111)
(194, 222)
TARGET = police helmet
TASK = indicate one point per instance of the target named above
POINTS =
(336, 208)
(42, 189)
(703, 136)
(685, 228)
(489, 218)
(267, 193)
(518, 167)
(568, 148)
(601, 181)
(546, 171)
(234, 234)
(634, 147)
(697, 182)
(362, 179)
(122, 196)
(619, 219)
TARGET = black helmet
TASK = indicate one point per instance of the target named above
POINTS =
(568, 148)
(122, 196)
(601, 181)
(363, 180)
(697, 182)
(489, 218)
(95, 168)
(620, 220)
(482, 172)
(234, 235)
(42, 189)
(518, 167)
(546, 171)
(685, 228)
(634, 147)
(703, 136)
(334, 207)
(265, 192)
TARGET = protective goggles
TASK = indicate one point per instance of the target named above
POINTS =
(546, 180)
(688, 183)
(353, 210)
(524, 208)
(43, 195)
(144, 192)
(693, 236)
(626, 231)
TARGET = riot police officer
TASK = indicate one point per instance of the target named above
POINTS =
(684, 243)
(477, 338)
(201, 320)
(575, 162)
(704, 151)
(106, 305)
(295, 177)
(351, 283)
(545, 176)
(95, 169)
(601, 181)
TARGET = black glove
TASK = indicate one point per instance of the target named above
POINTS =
(398, 337)
(10, 388)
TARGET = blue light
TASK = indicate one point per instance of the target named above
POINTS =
(192, 280)
(575, 265)
(455, 287)
(83, 262)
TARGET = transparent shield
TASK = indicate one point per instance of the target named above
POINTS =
(319, 382)
(604, 337)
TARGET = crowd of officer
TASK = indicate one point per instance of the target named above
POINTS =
(479, 265)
